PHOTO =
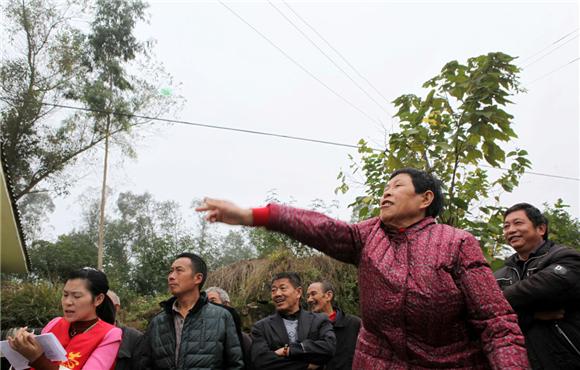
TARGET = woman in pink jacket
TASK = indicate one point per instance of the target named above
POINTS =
(86, 330)
(428, 298)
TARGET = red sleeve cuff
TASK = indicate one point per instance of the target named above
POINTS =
(261, 216)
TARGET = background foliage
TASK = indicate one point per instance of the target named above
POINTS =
(457, 131)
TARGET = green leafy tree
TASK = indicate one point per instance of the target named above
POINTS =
(154, 232)
(51, 61)
(455, 132)
(44, 63)
(54, 261)
(563, 227)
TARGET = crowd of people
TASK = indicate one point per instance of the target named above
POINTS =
(428, 299)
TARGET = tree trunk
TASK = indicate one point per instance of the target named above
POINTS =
(101, 245)
(103, 200)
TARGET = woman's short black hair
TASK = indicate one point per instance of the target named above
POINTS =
(97, 283)
(423, 181)
(532, 213)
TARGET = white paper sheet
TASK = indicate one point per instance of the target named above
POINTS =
(53, 350)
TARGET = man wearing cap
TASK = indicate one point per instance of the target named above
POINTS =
(128, 356)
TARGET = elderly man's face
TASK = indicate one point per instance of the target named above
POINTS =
(318, 300)
(214, 297)
(400, 205)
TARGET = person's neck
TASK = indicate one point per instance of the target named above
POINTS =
(328, 310)
(524, 256)
(186, 301)
(404, 223)
(87, 319)
(290, 312)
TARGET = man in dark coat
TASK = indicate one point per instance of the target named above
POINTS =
(190, 333)
(217, 295)
(291, 338)
(542, 283)
(320, 298)
(128, 355)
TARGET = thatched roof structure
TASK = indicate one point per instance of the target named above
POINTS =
(248, 282)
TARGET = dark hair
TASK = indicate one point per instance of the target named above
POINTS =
(423, 181)
(197, 264)
(326, 287)
(97, 283)
(532, 213)
(293, 277)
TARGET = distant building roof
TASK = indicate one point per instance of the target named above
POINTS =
(14, 257)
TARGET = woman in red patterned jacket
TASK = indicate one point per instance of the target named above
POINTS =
(428, 298)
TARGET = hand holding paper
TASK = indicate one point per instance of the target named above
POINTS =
(25, 347)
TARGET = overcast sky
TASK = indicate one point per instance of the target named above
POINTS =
(231, 76)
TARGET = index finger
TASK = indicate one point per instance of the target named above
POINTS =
(207, 205)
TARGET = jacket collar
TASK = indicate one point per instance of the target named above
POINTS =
(340, 316)
(168, 304)
(417, 226)
(541, 250)
(304, 322)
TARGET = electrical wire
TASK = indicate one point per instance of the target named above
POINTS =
(327, 56)
(254, 132)
(299, 65)
(550, 52)
(336, 51)
(549, 46)
(553, 71)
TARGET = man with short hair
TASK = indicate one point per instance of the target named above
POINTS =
(291, 338)
(320, 298)
(542, 283)
(128, 355)
(190, 333)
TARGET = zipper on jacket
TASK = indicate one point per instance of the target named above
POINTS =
(531, 259)
(517, 272)
(567, 339)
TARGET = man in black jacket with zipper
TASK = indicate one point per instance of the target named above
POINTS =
(292, 338)
(542, 283)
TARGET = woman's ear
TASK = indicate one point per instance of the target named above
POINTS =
(428, 198)
(99, 299)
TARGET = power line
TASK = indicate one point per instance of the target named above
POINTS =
(254, 132)
(298, 64)
(550, 52)
(550, 45)
(553, 71)
(197, 124)
(336, 51)
(327, 56)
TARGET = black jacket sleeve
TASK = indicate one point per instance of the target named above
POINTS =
(144, 360)
(549, 288)
(233, 358)
(263, 357)
(318, 351)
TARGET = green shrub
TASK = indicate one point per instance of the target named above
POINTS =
(31, 304)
